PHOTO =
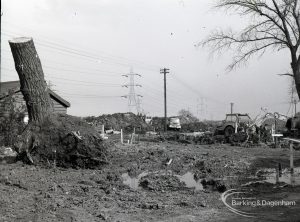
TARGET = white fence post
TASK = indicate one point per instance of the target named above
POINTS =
(121, 136)
(102, 129)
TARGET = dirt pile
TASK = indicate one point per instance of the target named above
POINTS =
(64, 141)
(199, 126)
(187, 119)
(158, 123)
(159, 182)
(213, 185)
(118, 121)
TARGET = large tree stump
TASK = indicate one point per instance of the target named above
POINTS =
(33, 85)
(46, 140)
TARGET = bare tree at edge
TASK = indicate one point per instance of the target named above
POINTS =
(274, 24)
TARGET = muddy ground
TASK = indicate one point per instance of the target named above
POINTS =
(145, 182)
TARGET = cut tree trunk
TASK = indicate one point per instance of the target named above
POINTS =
(32, 82)
(296, 72)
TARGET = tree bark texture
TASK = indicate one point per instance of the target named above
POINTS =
(32, 83)
(295, 65)
(296, 71)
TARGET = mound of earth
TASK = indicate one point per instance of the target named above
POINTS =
(64, 141)
(159, 182)
(118, 121)
(199, 126)
(158, 123)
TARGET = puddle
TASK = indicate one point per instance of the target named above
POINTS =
(189, 181)
(133, 182)
(286, 177)
(267, 175)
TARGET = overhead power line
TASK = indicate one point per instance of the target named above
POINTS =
(72, 80)
(76, 70)
(62, 44)
(89, 95)
(87, 54)
(196, 92)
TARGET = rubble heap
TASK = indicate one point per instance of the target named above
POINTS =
(62, 140)
(118, 121)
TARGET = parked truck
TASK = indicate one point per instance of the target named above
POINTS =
(174, 123)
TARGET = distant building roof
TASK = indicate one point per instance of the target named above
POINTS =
(14, 86)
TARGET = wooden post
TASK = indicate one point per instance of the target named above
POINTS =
(121, 136)
(272, 132)
(165, 71)
(277, 174)
(132, 136)
(102, 129)
(235, 127)
(275, 129)
(279, 169)
(291, 157)
(133, 139)
(54, 162)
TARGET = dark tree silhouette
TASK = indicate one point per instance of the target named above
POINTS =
(274, 24)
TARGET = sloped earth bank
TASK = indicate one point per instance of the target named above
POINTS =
(64, 141)
(144, 182)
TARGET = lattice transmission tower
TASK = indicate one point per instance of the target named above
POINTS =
(133, 98)
(201, 108)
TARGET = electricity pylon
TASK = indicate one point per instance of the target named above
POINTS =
(133, 101)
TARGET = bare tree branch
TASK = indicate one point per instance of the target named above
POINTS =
(274, 24)
(286, 74)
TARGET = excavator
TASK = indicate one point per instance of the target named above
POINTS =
(233, 123)
(240, 127)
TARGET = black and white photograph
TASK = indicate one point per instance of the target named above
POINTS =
(150, 111)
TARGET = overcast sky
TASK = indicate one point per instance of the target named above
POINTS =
(86, 46)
